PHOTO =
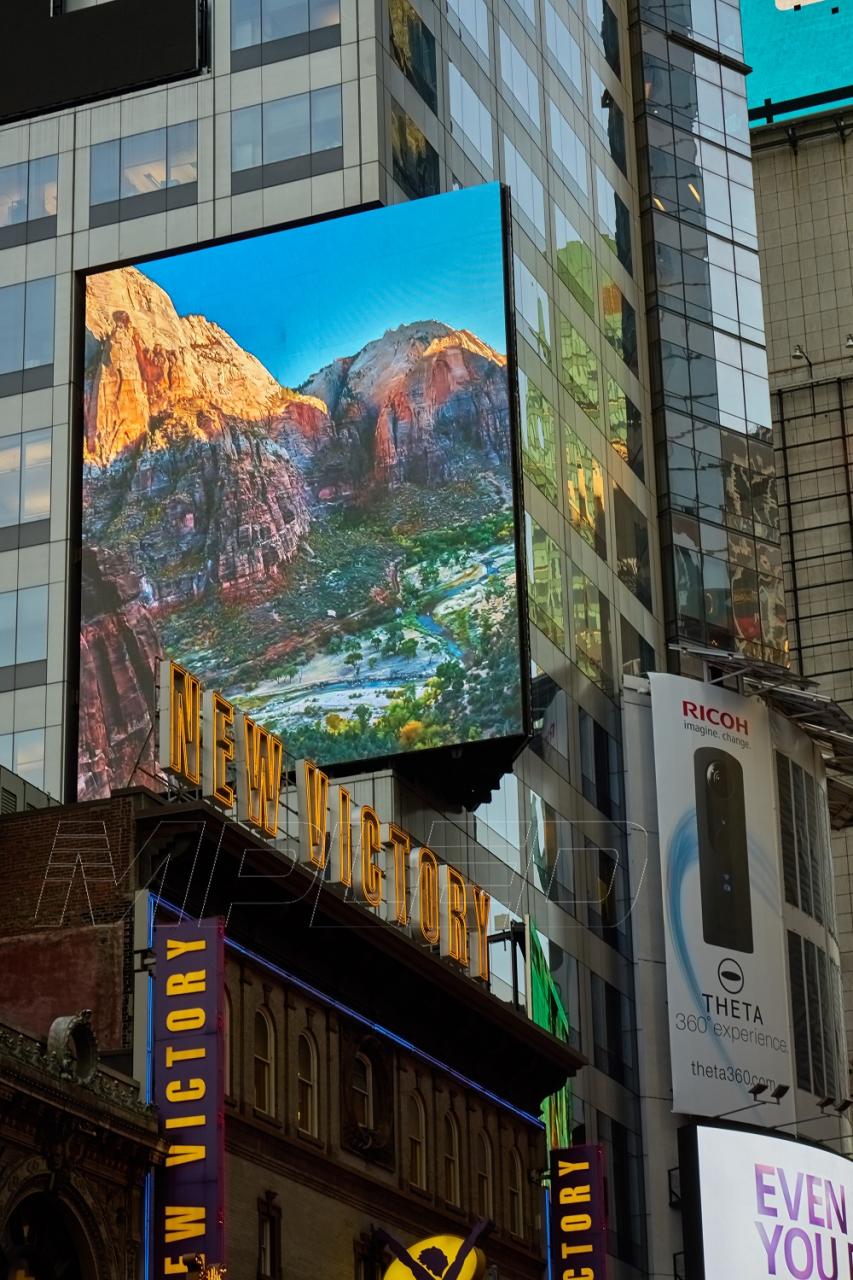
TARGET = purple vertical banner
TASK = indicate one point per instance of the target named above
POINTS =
(189, 1091)
(578, 1214)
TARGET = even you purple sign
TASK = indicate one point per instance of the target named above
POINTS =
(189, 1091)
(785, 1208)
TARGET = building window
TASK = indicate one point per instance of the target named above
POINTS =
(470, 20)
(143, 173)
(414, 160)
(528, 194)
(569, 151)
(28, 201)
(25, 488)
(612, 1028)
(538, 437)
(619, 322)
(452, 1179)
(601, 767)
(545, 582)
(417, 1143)
(264, 1062)
(563, 51)
(579, 369)
(470, 120)
(818, 1018)
(574, 262)
(23, 638)
(26, 336)
(633, 564)
(269, 1237)
(264, 31)
(413, 49)
(307, 1118)
(626, 428)
(531, 301)
(522, 82)
(516, 1194)
(228, 1046)
(362, 1091)
(605, 24)
(609, 120)
(591, 621)
(614, 220)
(289, 138)
(23, 753)
(485, 1164)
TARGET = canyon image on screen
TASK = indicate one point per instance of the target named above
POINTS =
(298, 482)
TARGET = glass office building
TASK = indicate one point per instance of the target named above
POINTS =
(640, 352)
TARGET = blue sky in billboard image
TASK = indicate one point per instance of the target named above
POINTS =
(431, 254)
(298, 482)
(796, 50)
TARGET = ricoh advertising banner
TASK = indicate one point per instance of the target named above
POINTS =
(726, 966)
(767, 1206)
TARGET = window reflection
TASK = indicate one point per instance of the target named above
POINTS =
(413, 49)
(619, 323)
(591, 627)
(569, 151)
(633, 564)
(550, 717)
(614, 220)
(638, 656)
(143, 173)
(275, 142)
(25, 477)
(23, 753)
(471, 121)
(538, 437)
(626, 427)
(585, 493)
(609, 120)
(263, 31)
(414, 159)
(551, 847)
(545, 582)
(28, 200)
(579, 368)
(574, 261)
(534, 308)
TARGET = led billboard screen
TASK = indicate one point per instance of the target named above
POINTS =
(801, 54)
(757, 1206)
(299, 482)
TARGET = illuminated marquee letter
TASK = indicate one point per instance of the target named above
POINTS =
(480, 934)
(370, 845)
(454, 916)
(315, 813)
(429, 917)
(184, 1223)
(344, 837)
(180, 723)
(259, 778)
(218, 749)
(398, 845)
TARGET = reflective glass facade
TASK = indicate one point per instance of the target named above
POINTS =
(719, 525)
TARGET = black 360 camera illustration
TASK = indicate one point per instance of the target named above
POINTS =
(723, 850)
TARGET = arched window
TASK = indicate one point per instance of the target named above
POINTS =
(307, 1118)
(417, 1142)
(227, 1049)
(362, 1090)
(485, 1176)
(516, 1194)
(451, 1159)
(264, 1062)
